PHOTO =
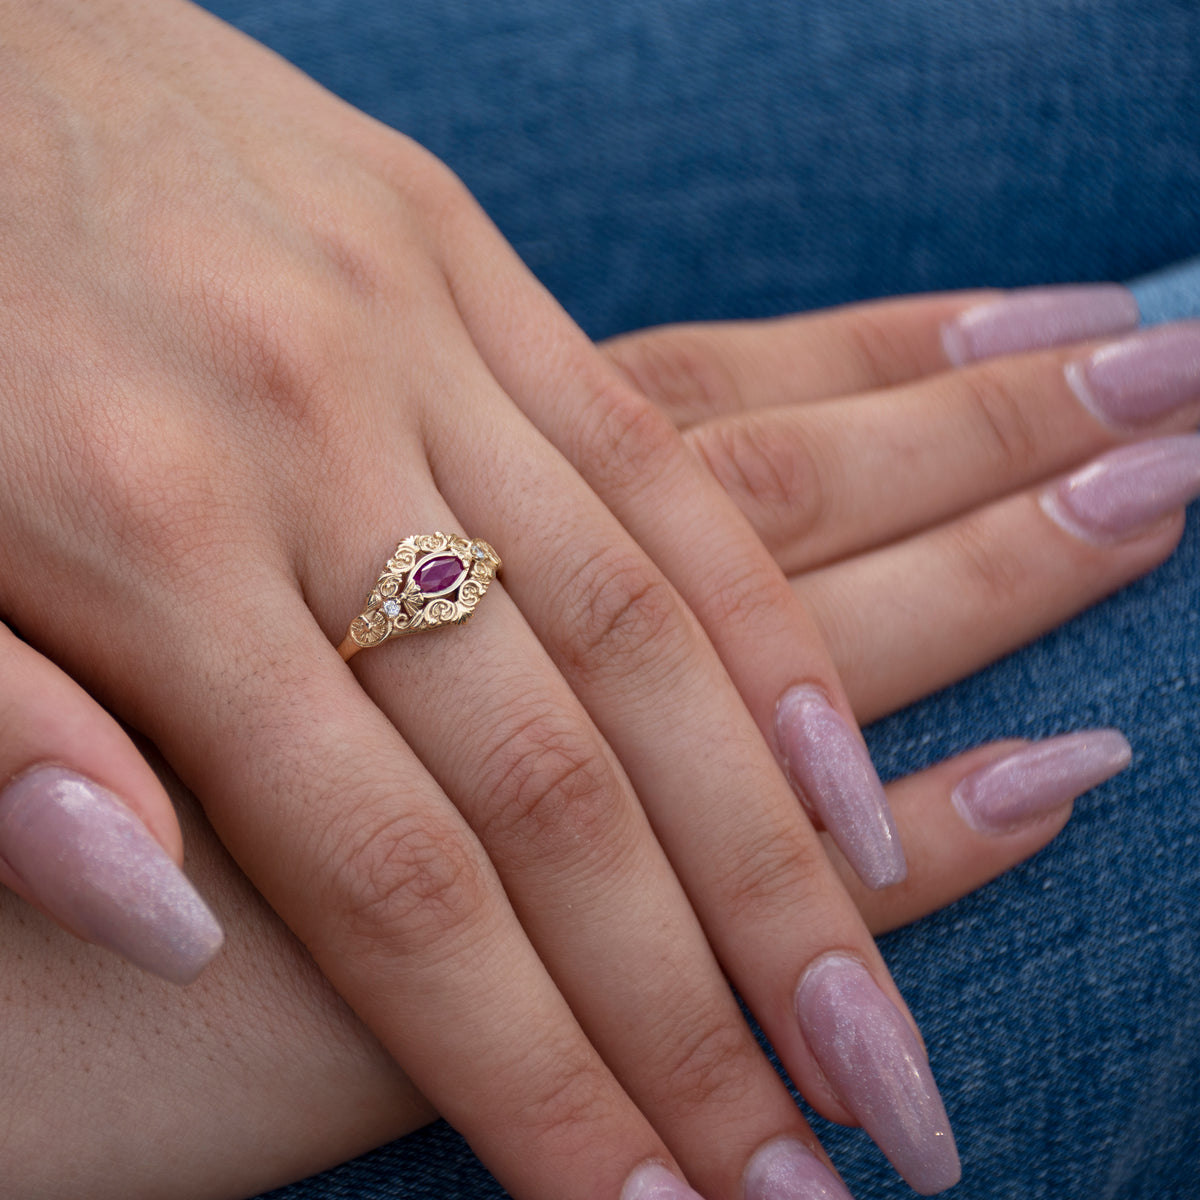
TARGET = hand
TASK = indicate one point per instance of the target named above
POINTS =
(274, 346)
(252, 339)
(933, 520)
(264, 1014)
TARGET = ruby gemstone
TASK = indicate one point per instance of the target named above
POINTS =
(439, 574)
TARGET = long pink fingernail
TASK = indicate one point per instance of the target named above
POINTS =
(786, 1169)
(829, 762)
(875, 1063)
(652, 1181)
(1142, 378)
(92, 863)
(1037, 779)
(1127, 490)
(1037, 318)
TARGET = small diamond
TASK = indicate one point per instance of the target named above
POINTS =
(478, 551)
(392, 608)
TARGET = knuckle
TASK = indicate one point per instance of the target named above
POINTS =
(627, 443)
(404, 884)
(573, 1108)
(551, 792)
(1001, 421)
(269, 354)
(750, 593)
(771, 872)
(678, 369)
(711, 1059)
(620, 611)
(773, 476)
(880, 352)
(149, 499)
(991, 569)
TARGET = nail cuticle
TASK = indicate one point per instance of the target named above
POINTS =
(1126, 493)
(786, 1169)
(1035, 781)
(1036, 319)
(654, 1180)
(1138, 380)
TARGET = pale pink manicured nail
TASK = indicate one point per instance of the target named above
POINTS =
(652, 1181)
(828, 761)
(869, 1053)
(92, 863)
(1141, 378)
(1127, 490)
(786, 1169)
(1037, 779)
(1037, 318)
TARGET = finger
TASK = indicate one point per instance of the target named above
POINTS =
(638, 465)
(823, 481)
(748, 871)
(86, 831)
(973, 817)
(630, 652)
(701, 371)
(353, 844)
(588, 880)
(910, 618)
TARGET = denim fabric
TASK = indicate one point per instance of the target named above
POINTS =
(657, 160)
(680, 159)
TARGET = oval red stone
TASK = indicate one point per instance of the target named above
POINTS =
(439, 574)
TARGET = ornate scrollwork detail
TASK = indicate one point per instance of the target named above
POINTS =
(433, 579)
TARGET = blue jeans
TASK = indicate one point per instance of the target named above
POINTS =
(692, 158)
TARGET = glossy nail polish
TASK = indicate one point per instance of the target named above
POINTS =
(1142, 378)
(874, 1061)
(1037, 318)
(1037, 779)
(652, 1181)
(1127, 490)
(786, 1169)
(827, 760)
(91, 862)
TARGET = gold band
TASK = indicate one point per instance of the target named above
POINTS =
(433, 579)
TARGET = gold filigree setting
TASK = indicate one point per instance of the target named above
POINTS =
(433, 579)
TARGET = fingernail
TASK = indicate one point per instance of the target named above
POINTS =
(1036, 318)
(787, 1169)
(652, 1181)
(874, 1061)
(828, 761)
(1127, 490)
(1037, 779)
(1142, 378)
(92, 863)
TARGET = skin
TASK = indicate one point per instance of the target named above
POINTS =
(224, 1061)
(248, 337)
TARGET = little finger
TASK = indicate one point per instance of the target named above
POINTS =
(972, 817)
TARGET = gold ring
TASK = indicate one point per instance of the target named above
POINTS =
(433, 579)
